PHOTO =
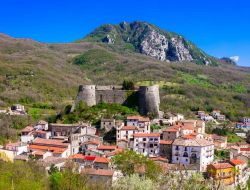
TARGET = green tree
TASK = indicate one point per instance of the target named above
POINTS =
(128, 85)
(129, 162)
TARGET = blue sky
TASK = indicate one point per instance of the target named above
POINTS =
(219, 27)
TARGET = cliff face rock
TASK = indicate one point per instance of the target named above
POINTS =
(151, 41)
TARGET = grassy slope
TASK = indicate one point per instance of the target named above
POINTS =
(35, 72)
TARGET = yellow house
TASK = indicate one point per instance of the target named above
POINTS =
(223, 172)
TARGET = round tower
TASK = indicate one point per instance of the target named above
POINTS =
(86, 93)
(149, 100)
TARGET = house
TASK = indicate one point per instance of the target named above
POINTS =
(171, 133)
(104, 176)
(206, 117)
(166, 149)
(59, 148)
(171, 118)
(192, 151)
(244, 126)
(58, 162)
(126, 132)
(101, 163)
(147, 144)
(27, 134)
(17, 109)
(41, 154)
(241, 173)
(221, 117)
(215, 113)
(107, 148)
(246, 120)
(17, 148)
(108, 124)
(122, 144)
(200, 113)
(223, 172)
(142, 123)
(42, 134)
(220, 142)
(90, 145)
(42, 125)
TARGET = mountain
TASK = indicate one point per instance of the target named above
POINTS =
(150, 40)
(33, 72)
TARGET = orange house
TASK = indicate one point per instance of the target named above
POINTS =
(223, 172)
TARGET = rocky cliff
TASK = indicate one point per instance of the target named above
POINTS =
(150, 40)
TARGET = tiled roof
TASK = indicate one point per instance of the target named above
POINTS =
(106, 147)
(50, 142)
(40, 131)
(56, 150)
(100, 172)
(166, 142)
(192, 142)
(102, 160)
(90, 158)
(237, 162)
(28, 129)
(171, 129)
(39, 153)
(139, 118)
(129, 128)
(222, 165)
(92, 142)
(77, 156)
(147, 135)
(245, 149)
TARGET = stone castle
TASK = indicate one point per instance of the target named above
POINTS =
(147, 96)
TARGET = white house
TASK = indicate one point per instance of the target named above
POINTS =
(42, 125)
(147, 144)
(241, 175)
(193, 151)
(246, 119)
(143, 123)
(126, 132)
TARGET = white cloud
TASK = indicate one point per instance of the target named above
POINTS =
(235, 58)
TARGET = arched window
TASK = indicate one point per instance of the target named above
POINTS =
(185, 154)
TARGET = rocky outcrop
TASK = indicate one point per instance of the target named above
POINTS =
(151, 41)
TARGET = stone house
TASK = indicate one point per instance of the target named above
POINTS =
(166, 149)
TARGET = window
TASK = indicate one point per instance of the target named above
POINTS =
(185, 149)
(151, 145)
(177, 158)
(177, 148)
(144, 139)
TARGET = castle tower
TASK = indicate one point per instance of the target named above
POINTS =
(87, 94)
(149, 100)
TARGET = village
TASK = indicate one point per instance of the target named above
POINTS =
(179, 144)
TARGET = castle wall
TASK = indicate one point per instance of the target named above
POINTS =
(111, 96)
(149, 100)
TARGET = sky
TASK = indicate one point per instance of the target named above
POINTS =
(219, 27)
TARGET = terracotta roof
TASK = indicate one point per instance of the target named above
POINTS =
(222, 165)
(129, 128)
(147, 135)
(92, 142)
(245, 149)
(237, 162)
(77, 156)
(137, 117)
(39, 153)
(117, 151)
(190, 136)
(187, 127)
(166, 142)
(27, 129)
(171, 129)
(106, 147)
(100, 172)
(50, 142)
(47, 148)
(102, 160)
